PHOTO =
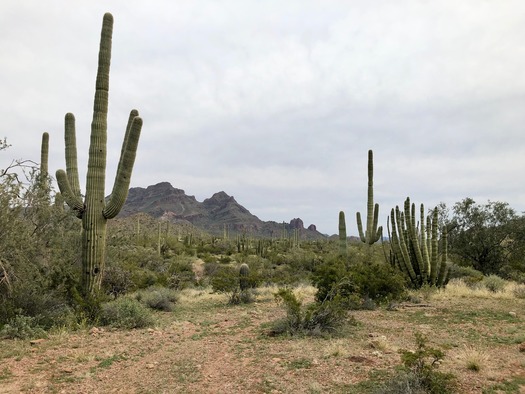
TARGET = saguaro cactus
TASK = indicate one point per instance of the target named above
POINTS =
(94, 211)
(343, 242)
(44, 155)
(244, 274)
(372, 233)
(415, 250)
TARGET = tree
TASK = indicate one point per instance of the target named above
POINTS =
(482, 235)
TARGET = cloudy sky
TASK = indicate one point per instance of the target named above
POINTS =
(278, 102)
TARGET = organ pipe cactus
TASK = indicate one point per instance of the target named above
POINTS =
(93, 210)
(343, 242)
(372, 233)
(415, 249)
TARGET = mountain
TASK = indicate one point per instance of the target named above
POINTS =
(212, 215)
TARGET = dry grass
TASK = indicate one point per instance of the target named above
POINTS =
(473, 358)
(458, 289)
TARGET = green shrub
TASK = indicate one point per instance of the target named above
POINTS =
(419, 373)
(362, 284)
(227, 280)
(125, 312)
(471, 277)
(158, 298)
(22, 327)
(494, 283)
(318, 318)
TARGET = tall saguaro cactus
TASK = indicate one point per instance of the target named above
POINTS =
(343, 241)
(44, 155)
(93, 210)
(372, 233)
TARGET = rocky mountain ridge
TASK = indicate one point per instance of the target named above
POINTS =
(213, 215)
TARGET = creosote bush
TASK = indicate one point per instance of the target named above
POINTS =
(158, 298)
(361, 285)
(494, 283)
(319, 318)
(126, 312)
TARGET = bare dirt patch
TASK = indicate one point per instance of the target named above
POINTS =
(207, 346)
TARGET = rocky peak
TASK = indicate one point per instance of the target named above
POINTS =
(312, 227)
(218, 198)
(297, 223)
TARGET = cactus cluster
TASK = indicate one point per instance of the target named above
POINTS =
(93, 210)
(415, 248)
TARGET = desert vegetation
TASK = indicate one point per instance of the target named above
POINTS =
(437, 306)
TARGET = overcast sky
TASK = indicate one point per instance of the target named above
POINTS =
(278, 102)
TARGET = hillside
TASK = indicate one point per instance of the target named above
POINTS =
(213, 215)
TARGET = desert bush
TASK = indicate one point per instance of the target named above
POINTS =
(469, 275)
(318, 318)
(125, 312)
(494, 283)
(419, 372)
(226, 280)
(158, 298)
(116, 281)
(22, 327)
(519, 291)
(362, 285)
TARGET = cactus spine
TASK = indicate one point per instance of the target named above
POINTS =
(343, 243)
(415, 250)
(372, 233)
(93, 211)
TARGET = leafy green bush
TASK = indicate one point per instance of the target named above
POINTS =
(22, 327)
(158, 298)
(361, 284)
(226, 280)
(125, 312)
(317, 318)
(494, 283)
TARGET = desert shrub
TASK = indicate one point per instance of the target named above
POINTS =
(494, 283)
(226, 280)
(125, 312)
(158, 298)
(361, 284)
(116, 281)
(318, 318)
(22, 327)
(519, 291)
(419, 372)
(471, 277)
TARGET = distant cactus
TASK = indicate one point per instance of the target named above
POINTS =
(44, 156)
(94, 211)
(415, 250)
(244, 274)
(343, 242)
(372, 234)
